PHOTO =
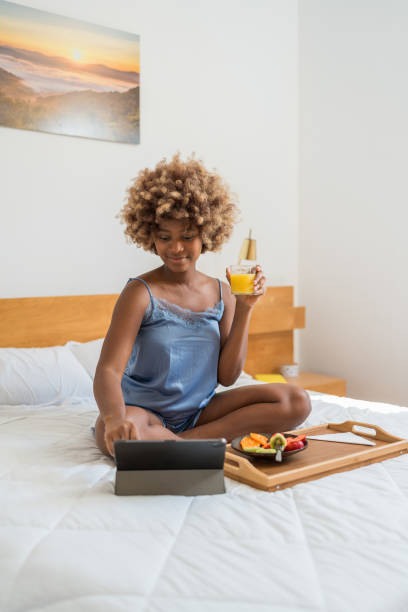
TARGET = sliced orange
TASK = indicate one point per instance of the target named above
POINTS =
(248, 442)
(259, 438)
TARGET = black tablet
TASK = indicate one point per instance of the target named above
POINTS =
(170, 454)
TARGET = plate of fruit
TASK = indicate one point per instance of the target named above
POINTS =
(274, 446)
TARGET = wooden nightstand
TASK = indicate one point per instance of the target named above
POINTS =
(319, 382)
(271, 342)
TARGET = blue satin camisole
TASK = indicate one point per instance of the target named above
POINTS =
(172, 370)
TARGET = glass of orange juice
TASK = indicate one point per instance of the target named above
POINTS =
(242, 279)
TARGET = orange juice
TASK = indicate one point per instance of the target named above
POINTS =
(242, 284)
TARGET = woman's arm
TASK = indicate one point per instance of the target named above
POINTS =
(116, 350)
(234, 329)
(234, 338)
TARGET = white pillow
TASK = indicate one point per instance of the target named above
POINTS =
(41, 376)
(87, 353)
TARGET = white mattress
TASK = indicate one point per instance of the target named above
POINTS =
(68, 543)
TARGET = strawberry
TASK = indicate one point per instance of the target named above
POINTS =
(294, 444)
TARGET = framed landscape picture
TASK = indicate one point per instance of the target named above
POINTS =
(66, 76)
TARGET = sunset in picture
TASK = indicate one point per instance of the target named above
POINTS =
(65, 76)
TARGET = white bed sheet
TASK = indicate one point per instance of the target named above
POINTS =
(68, 543)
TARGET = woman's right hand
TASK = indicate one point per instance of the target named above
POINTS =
(119, 429)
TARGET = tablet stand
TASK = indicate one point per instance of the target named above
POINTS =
(170, 467)
(169, 482)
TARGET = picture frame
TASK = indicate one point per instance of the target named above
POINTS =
(69, 77)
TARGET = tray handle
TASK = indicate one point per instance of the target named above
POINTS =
(241, 466)
(353, 426)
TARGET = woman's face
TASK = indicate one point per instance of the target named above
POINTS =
(178, 244)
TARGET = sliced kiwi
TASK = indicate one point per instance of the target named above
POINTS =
(278, 441)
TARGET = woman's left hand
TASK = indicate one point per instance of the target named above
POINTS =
(259, 287)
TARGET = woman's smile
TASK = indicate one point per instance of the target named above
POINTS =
(177, 259)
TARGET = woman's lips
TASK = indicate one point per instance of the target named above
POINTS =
(176, 258)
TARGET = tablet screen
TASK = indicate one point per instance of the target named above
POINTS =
(170, 454)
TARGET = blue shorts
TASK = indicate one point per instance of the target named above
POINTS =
(178, 426)
(187, 423)
(184, 425)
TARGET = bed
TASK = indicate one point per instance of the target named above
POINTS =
(68, 543)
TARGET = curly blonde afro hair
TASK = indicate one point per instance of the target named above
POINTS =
(179, 190)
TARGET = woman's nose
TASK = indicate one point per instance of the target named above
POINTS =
(176, 247)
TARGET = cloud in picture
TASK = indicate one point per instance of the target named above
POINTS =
(56, 74)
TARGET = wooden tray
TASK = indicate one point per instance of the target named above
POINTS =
(320, 459)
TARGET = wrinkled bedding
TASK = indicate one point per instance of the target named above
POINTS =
(68, 543)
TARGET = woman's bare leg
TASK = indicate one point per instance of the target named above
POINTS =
(269, 408)
(148, 427)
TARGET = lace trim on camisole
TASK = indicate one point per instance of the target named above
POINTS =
(173, 312)
(160, 308)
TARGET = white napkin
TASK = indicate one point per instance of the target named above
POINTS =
(343, 437)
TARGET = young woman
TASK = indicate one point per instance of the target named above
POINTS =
(176, 332)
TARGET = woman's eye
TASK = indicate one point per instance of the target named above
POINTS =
(166, 238)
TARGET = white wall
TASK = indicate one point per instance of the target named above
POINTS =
(353, 193)
(218, 77)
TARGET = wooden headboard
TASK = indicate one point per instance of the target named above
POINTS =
(51, 321)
